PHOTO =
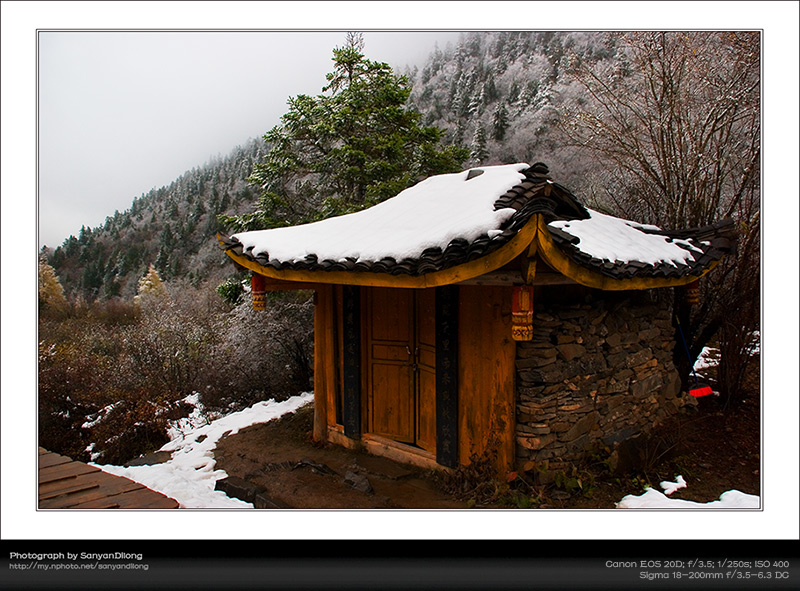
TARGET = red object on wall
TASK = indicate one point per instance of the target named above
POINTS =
(522, 313)
(701, 390)
(258, 286)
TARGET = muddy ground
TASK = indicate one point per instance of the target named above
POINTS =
(714, 447)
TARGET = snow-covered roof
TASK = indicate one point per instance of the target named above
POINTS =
(450, 219)
(429, 215)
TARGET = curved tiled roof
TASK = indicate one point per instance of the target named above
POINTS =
(534, 194)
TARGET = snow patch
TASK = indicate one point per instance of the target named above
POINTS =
(653, 499)
(613, 239)
(190, 476)
(671, 487)
(709, 357)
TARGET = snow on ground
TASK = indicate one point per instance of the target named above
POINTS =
(189, 477)
(709, 357)
(671, 487)
(653, 499)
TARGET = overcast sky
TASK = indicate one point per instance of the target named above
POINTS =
(123, 112)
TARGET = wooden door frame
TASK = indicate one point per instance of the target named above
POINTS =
(354, 361)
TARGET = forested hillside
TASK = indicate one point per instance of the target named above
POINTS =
(171, 227)
(499, 95)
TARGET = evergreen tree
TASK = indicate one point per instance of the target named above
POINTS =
(479, 151)
(500, 122)
(351, 147)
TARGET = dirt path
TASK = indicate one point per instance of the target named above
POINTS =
(280, 457)
(713, 448)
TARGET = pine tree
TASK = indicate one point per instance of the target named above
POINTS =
(500, 122)
(479, 151)
(351, 147)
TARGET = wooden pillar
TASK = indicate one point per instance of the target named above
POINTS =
(447, 375)
(351, 358)
(323, 359)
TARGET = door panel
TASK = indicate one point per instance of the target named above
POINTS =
(402, 365)
(385, 352)
(392, 407)
(391, 379)
(391, 314)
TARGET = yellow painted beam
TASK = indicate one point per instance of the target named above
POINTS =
(494, 260)
(534, 238)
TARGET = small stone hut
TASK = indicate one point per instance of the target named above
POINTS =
(486, 313)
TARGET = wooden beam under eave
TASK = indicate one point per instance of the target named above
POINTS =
(272, 284)
(556, 259)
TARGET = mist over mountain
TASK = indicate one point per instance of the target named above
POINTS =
(496, 94)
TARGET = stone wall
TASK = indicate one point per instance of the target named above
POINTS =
(597, 372)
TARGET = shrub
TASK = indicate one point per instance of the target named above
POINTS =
(231, 291)
(113, 373)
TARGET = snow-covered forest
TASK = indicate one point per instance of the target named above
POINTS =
(114, 371)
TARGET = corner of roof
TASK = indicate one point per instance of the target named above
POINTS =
(538, 194)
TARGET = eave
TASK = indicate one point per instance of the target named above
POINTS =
(532, 239)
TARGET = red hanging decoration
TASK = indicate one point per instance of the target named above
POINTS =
(522, 313)
(258, 287)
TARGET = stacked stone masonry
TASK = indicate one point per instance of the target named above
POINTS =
(594, 375)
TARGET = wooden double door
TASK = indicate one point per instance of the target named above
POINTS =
(401, 365)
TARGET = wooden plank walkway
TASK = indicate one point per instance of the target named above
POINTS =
(67, 484)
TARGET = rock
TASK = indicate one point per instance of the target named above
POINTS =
(593, 364)
(358, 482)
(536, 350)
(239, 488)
(315, 467)
(534, 361)
(643, 387)
(639, 357)
(571, 351)
(569, 407)
(262, 501)
(617, 387)
(672, 386)
(560, 427)
(645, 336)
(581, 427)
(535, 443)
